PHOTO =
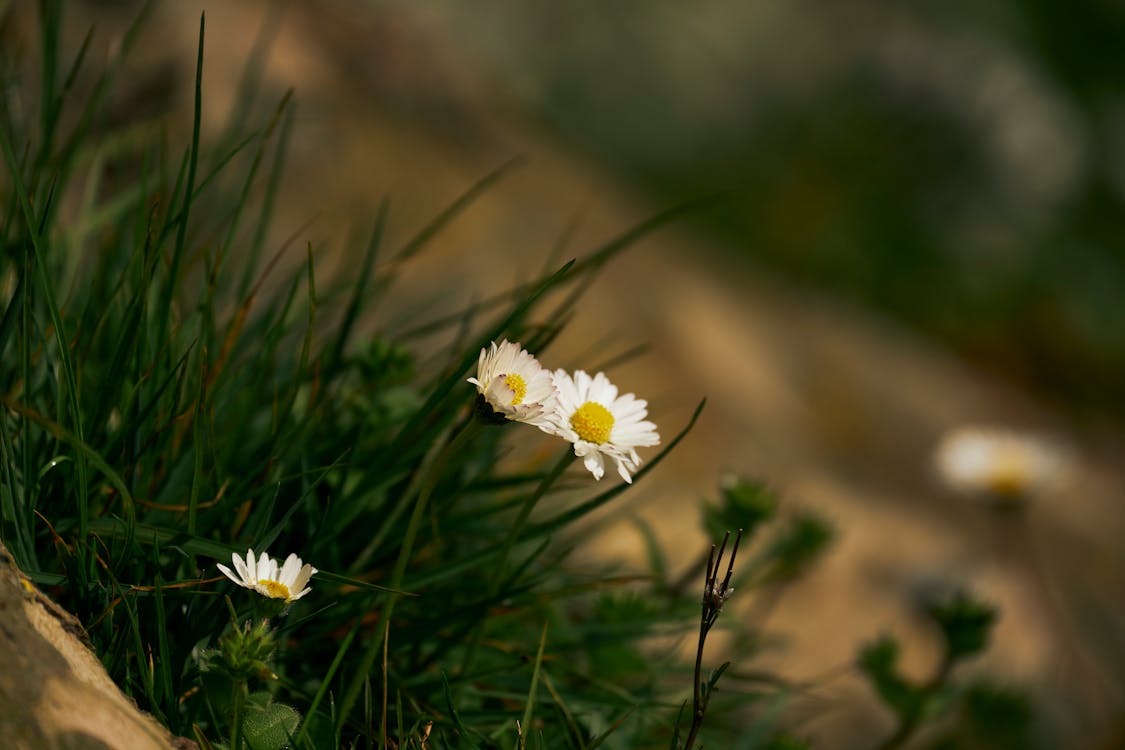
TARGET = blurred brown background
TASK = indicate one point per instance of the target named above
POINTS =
(916, 226)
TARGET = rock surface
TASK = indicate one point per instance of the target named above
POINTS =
(55, 692)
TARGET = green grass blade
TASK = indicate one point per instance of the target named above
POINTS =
(11, 511)
(189, 190)
(197, 446)
(529, 708)
(50, 106)
(359, 293)
(265, 215)
(164, 668)
(326, 681)
(69, 379)
(83, 451)
(454, 209)
(466, 733)
(252, 172)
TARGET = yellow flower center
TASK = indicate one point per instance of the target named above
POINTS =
(592, 422)
(274, 590)
(1009, 477)
(518, 386)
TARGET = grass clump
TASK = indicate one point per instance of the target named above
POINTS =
(172, 400)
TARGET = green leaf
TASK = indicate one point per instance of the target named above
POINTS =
(879, 662)
(269, 727)
(998, 716)
(798, 546)
(965, 623)
(744, 504)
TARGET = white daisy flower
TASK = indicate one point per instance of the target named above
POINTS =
(600, 423)
(514, 384)
(1000, 463)
(262, 575)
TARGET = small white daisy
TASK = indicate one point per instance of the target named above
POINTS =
(600, 423)
(514, 384)
(1000, 463)
(262, 575)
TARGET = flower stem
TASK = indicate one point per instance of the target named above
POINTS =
(715, 595)
(238, 702)
(698, 710)
(909, 722)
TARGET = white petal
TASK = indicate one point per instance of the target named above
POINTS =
(623, 470)
(499, 394)
(594, 464)
(267, 569)
(549, 424)
(630, 436)
(229, 574)
(601, 390)
(303, 577)
(244, 567)
(629, 409)
(567, 390)
(289, 570)
(583, 383)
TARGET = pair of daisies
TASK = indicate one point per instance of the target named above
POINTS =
(585, 411)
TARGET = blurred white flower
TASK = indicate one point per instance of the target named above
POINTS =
(1000, 463)
(262, 575)
(514, 384)
(600, 423)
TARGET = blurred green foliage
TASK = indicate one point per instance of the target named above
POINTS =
(744, 504)
(965, 624)
(990, 717)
